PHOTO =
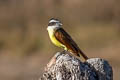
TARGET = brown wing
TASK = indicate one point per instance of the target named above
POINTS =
(66, 40)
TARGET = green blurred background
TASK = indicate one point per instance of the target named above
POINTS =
(25, 47)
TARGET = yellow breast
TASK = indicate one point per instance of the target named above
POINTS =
(53, 38)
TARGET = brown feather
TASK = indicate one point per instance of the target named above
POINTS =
(66, 40)
(62, 36)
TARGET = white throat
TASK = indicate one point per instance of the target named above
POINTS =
(53, 28)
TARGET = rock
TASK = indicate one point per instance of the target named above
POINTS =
(66, 67)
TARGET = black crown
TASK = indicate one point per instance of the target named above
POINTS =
(54, 19)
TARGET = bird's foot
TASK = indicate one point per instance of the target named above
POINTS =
(64, 51)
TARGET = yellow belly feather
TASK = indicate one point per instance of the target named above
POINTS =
(54, 40)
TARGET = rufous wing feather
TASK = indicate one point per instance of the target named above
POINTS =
(63, 37)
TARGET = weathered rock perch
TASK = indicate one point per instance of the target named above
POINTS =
(66, 67)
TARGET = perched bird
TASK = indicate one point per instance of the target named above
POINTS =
(62, 39)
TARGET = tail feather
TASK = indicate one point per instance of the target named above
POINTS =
(83, 55)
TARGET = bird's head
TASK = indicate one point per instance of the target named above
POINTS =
(54, 23)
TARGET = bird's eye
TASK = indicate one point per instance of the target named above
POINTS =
(52, 23)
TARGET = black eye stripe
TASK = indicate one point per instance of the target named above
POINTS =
(52, 23)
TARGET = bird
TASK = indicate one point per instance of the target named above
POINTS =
(62, 39)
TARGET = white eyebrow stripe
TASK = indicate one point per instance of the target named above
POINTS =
(53, 21)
